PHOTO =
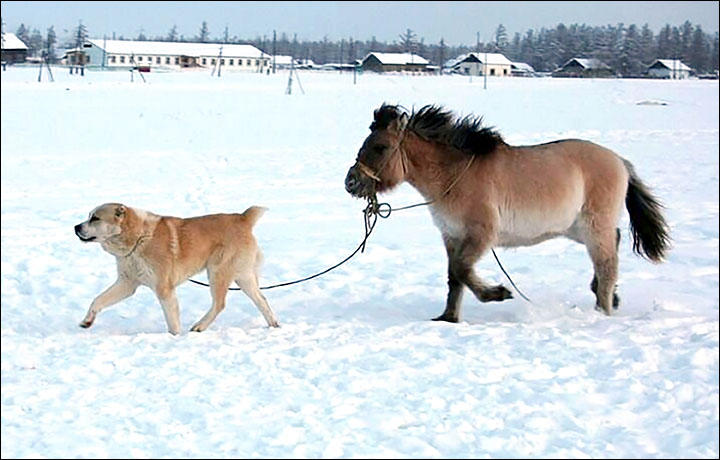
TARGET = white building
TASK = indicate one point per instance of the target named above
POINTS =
(173, 55)
(669, 68)
(493, 64)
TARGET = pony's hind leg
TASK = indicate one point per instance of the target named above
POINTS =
(603, 252)
(594, 282)
(461, 257)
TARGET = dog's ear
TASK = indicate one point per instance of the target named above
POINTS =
(120, 211)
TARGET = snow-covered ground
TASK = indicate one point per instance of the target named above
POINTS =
(357, 369)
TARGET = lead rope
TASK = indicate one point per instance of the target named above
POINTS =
(370, 215)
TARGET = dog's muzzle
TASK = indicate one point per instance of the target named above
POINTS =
(79, 233)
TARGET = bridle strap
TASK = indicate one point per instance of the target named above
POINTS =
(365, 169)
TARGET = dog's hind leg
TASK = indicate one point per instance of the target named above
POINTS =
(122, 289)
(219, 284)
(249, 285)
(171, 309)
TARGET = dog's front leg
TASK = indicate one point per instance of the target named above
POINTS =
(171, 308)
(122, 289)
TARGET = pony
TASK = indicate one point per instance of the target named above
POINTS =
(484, 193)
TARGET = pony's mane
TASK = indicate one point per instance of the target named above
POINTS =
(437, 124)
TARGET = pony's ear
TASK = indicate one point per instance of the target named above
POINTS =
(383, 116)
(400, 123)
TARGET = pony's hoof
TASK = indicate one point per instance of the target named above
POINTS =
(616, 301)
(496, 294)
(603, 310)
(446, 318)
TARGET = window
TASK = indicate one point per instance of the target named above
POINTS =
(177, 60)
(204, 61)
(122, 59)
(247, 62)
(157, 60)
(140, 58)
(222, 61)
(492, 71)
(257, 62)
(112, 59)
(167, 60)
(213, 61)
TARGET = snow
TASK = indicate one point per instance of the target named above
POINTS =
(356, 368)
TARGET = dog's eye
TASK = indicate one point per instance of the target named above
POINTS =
(94, 218)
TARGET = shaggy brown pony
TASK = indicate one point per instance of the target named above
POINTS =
(485, 193)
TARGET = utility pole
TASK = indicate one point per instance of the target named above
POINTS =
(274, 49)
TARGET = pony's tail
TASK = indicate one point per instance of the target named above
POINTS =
(651, 237)
(253, 213)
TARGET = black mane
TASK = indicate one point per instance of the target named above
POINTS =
(467, 134)
(437, 124)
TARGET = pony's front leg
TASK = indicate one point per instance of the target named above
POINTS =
(462, 255)
(454, 300)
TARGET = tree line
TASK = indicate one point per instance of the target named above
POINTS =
(628, 49)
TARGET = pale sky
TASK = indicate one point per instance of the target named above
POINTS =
(456, 22)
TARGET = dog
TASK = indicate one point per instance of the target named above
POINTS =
(162, 252)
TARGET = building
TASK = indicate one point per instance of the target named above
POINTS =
(394, 62)
(669, 68)
(580, 67)
(493, 64)
(169, 55)
(521, 69)
(282, 61)
(13, 49)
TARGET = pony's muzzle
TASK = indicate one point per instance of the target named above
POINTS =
(353, 184)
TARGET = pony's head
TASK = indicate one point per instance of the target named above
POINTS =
(379, 165)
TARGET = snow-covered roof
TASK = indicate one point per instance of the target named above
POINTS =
(672, 64)
(590, 63)
(398, 58)
(485, 58)
(11, 42)
(523, 66)
(176, 48)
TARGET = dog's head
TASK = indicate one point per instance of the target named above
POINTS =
(103, 222)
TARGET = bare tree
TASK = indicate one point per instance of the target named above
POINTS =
(408, 41)
(204, 33)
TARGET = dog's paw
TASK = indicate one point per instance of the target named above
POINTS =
(197, 328)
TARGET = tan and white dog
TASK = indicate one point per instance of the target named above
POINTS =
(162, 252)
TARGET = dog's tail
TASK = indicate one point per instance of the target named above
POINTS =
(650, 231)
(253, 213)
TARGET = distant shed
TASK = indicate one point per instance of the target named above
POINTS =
(669, 68)
(581, 67)
(13, 49)
(394, 62)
